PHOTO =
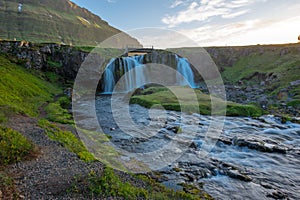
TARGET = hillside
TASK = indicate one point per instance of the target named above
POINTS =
(55, 21)
(267, 75)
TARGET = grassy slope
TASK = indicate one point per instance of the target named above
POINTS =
(20, 91)
(241, 62)
(285, 67)
(162, 96)
(53, 21)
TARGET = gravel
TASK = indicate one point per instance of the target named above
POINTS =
(53, 173)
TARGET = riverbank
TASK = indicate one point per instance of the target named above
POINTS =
(51, 161)
(245, 158)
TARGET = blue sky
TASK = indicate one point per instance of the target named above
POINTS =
(207, 22)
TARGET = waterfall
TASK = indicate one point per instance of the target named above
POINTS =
(184, 68)
(109, 78)
(117, 67)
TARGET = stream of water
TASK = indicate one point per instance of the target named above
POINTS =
(252, 158)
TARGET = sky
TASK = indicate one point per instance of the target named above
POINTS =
(205, 22)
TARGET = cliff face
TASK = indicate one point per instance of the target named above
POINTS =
(267, 75)
(229, 56)
(251, 61)
(55, 21)
(62, 60)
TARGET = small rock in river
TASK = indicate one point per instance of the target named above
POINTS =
(238, 175)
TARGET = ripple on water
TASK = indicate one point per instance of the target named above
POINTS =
(280, 171)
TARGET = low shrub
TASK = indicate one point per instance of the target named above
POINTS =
(13, 146)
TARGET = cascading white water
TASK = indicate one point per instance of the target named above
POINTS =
(187, 75)
(109, 78)
(118, 67)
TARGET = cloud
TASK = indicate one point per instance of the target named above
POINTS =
(202, 10)
(256, 31)
(176, 3)
(161, 38)
(236, 14)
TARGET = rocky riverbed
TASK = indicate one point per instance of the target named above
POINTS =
(246, 158)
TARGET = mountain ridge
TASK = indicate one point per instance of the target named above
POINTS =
(55, 21)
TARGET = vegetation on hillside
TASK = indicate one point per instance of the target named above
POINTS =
(109, 184)
(56, 21)
(21, 91)
(14, 147)
(284, 67)
(58, 111)
(272, 67)
(67, 139)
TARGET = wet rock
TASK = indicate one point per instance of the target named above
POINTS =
(159, 177)
(260, 145)
(263, 101)
(295, 83)
(266, 185)
(238, 175)
(174, 129)
(193, 145)
(296, 120)
(171, 119)
(277, 195)
(189, 177)
(225, 140)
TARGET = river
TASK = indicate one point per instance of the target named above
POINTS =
(252, 158)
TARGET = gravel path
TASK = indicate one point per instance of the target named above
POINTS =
(55, 170)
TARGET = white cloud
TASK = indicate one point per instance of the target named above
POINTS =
(161, 38)
(111, 1)
(202, 10)
(176, 3)
(248, 32)
(236, 14)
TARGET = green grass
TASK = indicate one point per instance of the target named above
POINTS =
(160, 96)
(21, 91)
(110, 185)
(285, 67)
(57, 111)
(242, 62)
(52, 77)
(294, 103)
(67, 139)
(104, 152)
(56, 22)
(13, 146)
(54, 65)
